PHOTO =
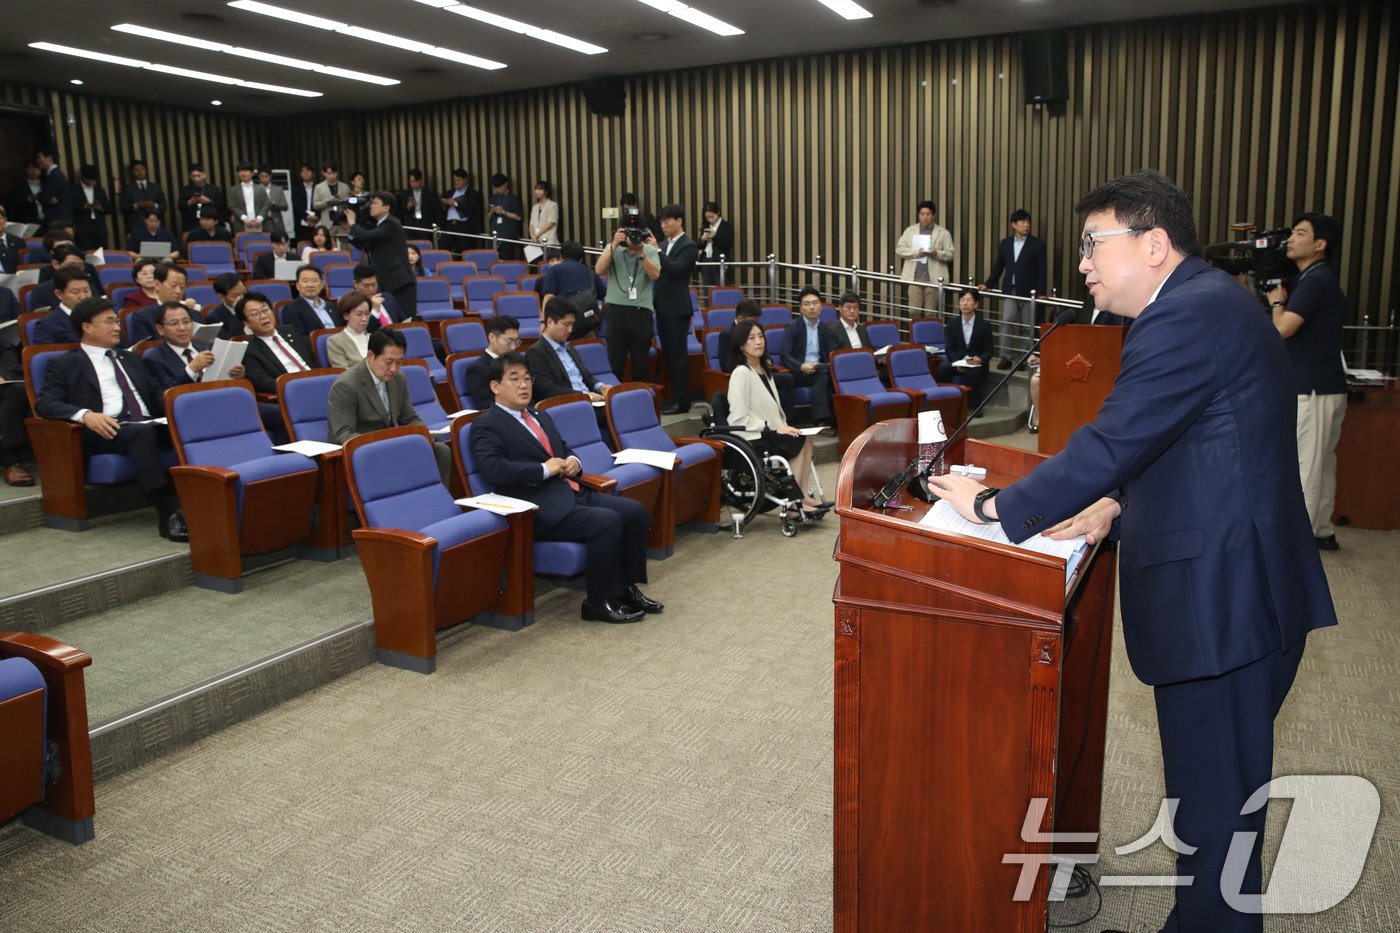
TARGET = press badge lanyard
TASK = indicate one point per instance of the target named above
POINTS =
(632, 278)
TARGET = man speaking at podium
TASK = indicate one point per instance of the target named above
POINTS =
(1191, 464)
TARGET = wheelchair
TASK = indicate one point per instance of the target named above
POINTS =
(753, 479)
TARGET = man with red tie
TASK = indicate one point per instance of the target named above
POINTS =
(272, 351)
(518, 450)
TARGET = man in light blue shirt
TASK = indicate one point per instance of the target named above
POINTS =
(554, 365)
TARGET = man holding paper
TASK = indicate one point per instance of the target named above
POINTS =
(518, 450)
(1191, 464)
(178, 361)
(927, 251)
(373, 395)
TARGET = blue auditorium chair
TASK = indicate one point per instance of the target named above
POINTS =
(859, 399)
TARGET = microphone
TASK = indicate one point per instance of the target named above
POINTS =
(918, 486)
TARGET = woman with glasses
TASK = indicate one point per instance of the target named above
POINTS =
(349, 345)
(754, 406)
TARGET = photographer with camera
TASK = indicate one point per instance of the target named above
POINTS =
(1310, 319)
(630, 264)
(386, 248)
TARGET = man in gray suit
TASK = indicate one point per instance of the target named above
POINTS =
(247, 201)
(373, 395)
(273, 221)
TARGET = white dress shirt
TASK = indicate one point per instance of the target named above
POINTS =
(852, 334)
(112, 404)
(287, 357)
(248, 213)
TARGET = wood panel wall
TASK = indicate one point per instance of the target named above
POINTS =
(109, 133)
(1260, 115)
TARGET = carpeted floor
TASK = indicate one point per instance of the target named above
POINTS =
(673, 775)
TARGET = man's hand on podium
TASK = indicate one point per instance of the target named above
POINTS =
(959, 491)
(1094, 523)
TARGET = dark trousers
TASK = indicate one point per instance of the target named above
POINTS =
(271, 415)
(820, 384)
(142, 442)
(459, 243)
(629, 337)
(14, 408)
(674, 331)
(1218, 749)
(407, 297)
(972, 378)
(614, 530)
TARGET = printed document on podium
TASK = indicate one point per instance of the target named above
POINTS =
(943, 517)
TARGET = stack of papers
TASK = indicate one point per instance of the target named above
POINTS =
(964, 364)
(661, 459)
(307, 448)
(494, 502)
(943, 517)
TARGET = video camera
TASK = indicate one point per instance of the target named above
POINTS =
(1259, 254)
(632, 225)
(356, 202)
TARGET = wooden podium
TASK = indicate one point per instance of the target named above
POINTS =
(1078, 364)
(969, 680)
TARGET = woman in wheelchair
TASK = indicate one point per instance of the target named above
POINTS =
(753, 406)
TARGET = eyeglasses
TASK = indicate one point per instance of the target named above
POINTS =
(1086, 244)
(519, 380)
(510, 341)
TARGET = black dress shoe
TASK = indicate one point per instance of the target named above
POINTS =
(1328, 543)
(173, 527)
(636, 599)
(610, 611)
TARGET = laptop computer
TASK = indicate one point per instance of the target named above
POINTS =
(157, 249)
(286, 269)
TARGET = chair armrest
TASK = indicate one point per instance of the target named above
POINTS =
(916, 396)
(265, 396)
(716, 446)
(412, 540)
(598, 483)
(43, 652)
(203, 473)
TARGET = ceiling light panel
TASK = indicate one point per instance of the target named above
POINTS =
(847, 8)
(265, 57)
(369, 35)
(523, 29)
(695, 17)
(170, 69)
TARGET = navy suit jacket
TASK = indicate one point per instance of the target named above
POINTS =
(1197, 441)
(956, 348)
(1028, 271)
(55, 327)
(551, 378)
(671, 290)
(479, 383)
(300, 317)
(166, 366)
(70, 385)
(795, 343)
(386, 248)
(509, 457)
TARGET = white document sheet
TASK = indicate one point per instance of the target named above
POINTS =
(501, 505)
(307, 448)
(661, 459)
(227, 354)
(943, 517)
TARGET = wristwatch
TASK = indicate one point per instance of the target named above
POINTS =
(980, 501)
(1276, 304)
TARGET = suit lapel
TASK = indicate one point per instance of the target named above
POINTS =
(89, 372)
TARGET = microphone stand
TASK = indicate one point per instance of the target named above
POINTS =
(918, 486)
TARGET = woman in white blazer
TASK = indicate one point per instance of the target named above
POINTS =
(753, 405)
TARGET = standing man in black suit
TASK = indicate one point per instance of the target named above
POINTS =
(140, 195)
(1019, 270)
(199, 198)
(55, 195)
(555, 366)
(519, 451)
(109, 393)
(671, 293)
(850, 334)
(969, 340)
(303, 194)
(91, 208)
(419, 207)
(387, 248)
(461, 206)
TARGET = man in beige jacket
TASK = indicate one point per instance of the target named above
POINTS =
(927, 250)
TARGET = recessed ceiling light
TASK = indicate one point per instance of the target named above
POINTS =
(168, 69)
(217, 103)
(264, 57)
(370, 35)
(524, 29)
(694, 17)
(847, 8)
(75, 80)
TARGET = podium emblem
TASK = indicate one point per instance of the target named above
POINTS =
(1078, 368)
